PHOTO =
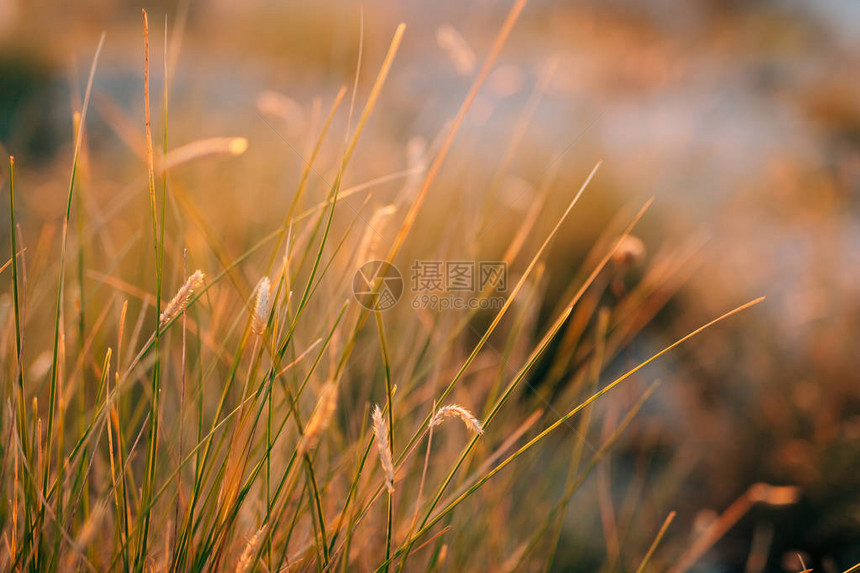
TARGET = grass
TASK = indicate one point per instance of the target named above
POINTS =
(220, 431)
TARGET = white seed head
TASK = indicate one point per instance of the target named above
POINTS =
(262, 305)
(178, 302)
(382, 444)
(250, 551)
(455, 411)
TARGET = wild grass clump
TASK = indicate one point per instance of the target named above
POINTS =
(275, 427)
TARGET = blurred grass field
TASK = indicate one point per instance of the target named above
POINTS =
(641, 170)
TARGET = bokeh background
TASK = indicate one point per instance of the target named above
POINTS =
(741, 119)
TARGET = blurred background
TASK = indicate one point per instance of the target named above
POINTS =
(741, 119)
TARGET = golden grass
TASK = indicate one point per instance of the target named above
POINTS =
(182, 427)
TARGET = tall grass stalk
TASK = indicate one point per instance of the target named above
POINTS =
(555, 425)
(56, 366)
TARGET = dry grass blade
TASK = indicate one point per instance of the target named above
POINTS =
(436, 166)
(245, 419)
(531, 443)
(657, 540)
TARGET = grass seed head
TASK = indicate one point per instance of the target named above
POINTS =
(456, 47)
(178, 302)
(247, 557)
(262, 305)
(382, 445)
(321, 418)
(455, 411)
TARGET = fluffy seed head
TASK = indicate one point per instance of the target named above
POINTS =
(321, 418)
(262, 305)
(382, 445)
(455, 411)
(178, 302)
(247, 558)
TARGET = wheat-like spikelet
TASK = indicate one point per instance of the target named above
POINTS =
(382, 445)
(321, 418)
(178, 302)
(455, 411)
(262, 305)
(247, 557)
